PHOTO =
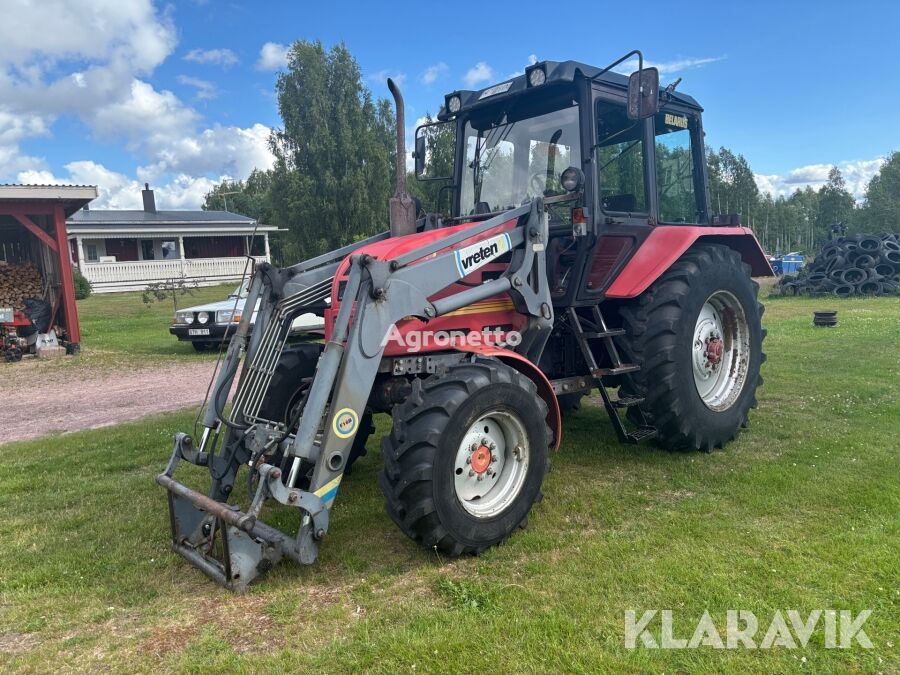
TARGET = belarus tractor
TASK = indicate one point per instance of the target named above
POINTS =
(579, 253)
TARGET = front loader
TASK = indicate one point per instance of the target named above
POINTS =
(579, 253)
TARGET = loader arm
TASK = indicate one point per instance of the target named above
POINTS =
(378, 293)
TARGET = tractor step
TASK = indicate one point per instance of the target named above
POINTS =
(641, 434)
(617, 370)
(612, 332)
(627, 401)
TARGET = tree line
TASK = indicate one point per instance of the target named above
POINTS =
(335, 152)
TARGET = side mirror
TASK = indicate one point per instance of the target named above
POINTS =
(435, 147)
(643, 93)
(420, 152)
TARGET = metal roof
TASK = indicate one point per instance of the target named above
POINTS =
(140, 217)
(106, 223)
(73, 197)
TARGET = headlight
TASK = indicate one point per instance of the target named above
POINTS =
(202, 317)
(184, 317)
(536, 76)
(227, 316)
(571, 179)
(454, 103)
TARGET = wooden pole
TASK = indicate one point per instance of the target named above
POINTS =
(70, 309)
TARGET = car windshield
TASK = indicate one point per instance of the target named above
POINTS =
(240, 291)
(509, 161)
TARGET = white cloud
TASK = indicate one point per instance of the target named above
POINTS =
(205, 89)
(480, 72)
(382, 75)
(856, 173)
(117, 191)
(532, 59)
(219, 57)
(668, 67)
(432, 73)
(272, 56)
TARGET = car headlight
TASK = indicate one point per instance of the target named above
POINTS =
(184, 317)
(227, 316)
(203, 317)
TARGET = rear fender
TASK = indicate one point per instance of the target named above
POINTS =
(532, 372)
(667, 243)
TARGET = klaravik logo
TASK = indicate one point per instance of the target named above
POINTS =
(472, 257)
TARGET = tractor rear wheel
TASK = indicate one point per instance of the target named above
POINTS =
(697, 336)
(466, 458)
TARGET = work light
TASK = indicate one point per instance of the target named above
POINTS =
(536, 75)
(571, 179)
(454, 103)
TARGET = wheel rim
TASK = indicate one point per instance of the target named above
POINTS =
(721, 351)
(491, 464)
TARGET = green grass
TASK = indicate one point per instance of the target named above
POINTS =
(801, 512)
(116, 325)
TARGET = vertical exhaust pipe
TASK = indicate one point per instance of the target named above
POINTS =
(402, 206)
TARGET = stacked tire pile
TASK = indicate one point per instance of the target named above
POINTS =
(861, 264)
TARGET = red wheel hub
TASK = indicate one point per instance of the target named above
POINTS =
(481, 459)
(714, 350)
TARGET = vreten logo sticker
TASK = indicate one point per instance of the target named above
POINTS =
(345, 423)
(472, 257)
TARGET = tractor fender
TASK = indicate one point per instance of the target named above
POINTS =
(533, 373)
(666, 244)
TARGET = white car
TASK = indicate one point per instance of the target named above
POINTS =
(204, 326)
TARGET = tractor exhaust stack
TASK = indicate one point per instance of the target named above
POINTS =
(402, 206)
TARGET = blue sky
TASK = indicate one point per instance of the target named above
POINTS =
(118, 92)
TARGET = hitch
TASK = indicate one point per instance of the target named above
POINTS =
(230, 546)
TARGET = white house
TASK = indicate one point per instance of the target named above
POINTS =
(126, 250)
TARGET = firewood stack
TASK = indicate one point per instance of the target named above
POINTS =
(18, 282)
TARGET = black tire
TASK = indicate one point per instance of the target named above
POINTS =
(287, 390)
(418, 478)
(200, 346)
(659, 336)
(569, 403)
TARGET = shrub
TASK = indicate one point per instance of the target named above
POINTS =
(82, 285)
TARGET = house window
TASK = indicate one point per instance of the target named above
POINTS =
(147, 249)
(90, 250)
(169, 250)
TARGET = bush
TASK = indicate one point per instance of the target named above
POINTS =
(82, 285)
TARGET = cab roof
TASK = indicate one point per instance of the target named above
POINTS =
(557, 72)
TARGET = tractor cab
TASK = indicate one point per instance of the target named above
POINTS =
(611, 156)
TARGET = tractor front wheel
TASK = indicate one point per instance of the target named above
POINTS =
(466, 458)
(697, 336)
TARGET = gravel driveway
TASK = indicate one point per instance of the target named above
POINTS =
(38, 400)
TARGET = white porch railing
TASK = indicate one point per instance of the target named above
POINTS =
(130, 276)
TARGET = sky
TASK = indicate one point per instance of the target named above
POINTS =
(116, 93)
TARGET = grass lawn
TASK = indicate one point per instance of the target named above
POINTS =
(120, 326)
(801, 512)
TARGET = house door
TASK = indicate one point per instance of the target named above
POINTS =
(125, 250)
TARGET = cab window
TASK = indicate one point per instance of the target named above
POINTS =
(675, 169)
(620, 160)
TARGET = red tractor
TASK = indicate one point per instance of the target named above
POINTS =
(579, 253)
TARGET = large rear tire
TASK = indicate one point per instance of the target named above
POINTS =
(466, 458)
(697, 336)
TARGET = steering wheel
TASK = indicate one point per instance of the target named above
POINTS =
(539, 183)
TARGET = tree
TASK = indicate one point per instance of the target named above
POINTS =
(881, 209)
(252, 198)
(835, 205)
(440, 144)
(334, 155)
(732, 187)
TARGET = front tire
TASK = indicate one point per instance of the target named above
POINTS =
(697, 336)
(466, 457)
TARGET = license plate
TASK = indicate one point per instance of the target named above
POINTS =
(198, 331)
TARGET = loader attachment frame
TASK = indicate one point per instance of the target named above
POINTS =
(232, 546)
